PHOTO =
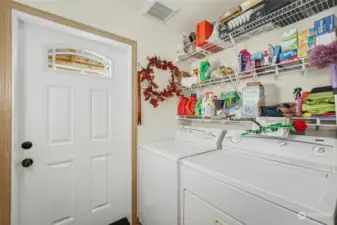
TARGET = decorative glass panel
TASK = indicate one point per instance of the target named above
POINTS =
(79, 61)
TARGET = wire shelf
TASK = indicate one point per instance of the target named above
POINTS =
(296, 65)
(292, 13)
(312, 122)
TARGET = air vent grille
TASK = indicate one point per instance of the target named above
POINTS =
(160, 12)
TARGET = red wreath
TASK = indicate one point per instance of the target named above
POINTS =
(147, 74)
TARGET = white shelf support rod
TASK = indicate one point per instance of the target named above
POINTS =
(234, 44)
(304, 68)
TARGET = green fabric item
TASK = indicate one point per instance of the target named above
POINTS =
(319, 103)
(272, 128)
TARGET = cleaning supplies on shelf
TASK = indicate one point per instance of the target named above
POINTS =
(198, 106)
(298, 101)
(210, 106)
(289, 40)
(288, 56)
(241, 63)
(204, 31)
(306, 41)
(245, 61)
(204, 66)
(203, 104)
(276, 54)
(182, 106)
(191, 105)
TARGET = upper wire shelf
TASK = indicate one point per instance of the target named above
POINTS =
(292, 13)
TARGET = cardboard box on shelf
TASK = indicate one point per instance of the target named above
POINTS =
(289, 45)
(253, 98)
(249, 4)
(330, 23)
(230, 14)
(288, 35)
(320, 27)
(326, 39)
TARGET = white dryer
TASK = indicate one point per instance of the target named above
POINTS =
(159, 172)
(261, 181)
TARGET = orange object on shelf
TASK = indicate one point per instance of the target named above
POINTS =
(204, 31)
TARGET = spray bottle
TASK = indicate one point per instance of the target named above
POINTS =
(198, 106)
(299, 101)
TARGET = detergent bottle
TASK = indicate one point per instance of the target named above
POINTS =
(198, 106)
(210, 106)
(182, 106)
(191, 104)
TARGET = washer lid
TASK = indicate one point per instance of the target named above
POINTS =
(175, 149)
(296, 188)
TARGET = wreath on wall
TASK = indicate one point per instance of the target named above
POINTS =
(151, 92)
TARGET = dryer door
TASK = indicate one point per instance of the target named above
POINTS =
(199, 212)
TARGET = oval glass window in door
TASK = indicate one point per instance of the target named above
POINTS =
(79, 61)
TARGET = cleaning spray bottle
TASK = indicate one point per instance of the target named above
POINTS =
(198, 105)
(191, 104)
(203, 104)
(182, 106)
(299, 101)
(210, 106)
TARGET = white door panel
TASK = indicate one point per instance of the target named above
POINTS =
(80, 127)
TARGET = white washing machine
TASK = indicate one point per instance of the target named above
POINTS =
(159, 172)
(261, 181)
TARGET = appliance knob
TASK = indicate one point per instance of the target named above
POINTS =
(283, 144)
(236, 139)
(318, 150)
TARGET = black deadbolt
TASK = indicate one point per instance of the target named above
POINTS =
(26, 145)
(27, 162)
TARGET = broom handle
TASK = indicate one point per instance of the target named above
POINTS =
(334, 83)
(334, 77)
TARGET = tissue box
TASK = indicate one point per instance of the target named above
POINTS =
(289, 45)
(253, 99)
(288, 35)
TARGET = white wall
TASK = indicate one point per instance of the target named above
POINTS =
(151, 36)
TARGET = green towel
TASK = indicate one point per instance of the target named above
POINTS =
(319, 103)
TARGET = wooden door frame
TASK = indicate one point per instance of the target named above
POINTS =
(6, 7)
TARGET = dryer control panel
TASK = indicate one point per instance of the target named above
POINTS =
(200, 136)
(312, 152)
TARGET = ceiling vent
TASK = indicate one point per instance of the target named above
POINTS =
(160, 12)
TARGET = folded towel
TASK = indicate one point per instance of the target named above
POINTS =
(319, 103)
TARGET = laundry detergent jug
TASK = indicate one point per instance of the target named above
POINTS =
(182, 106)
(191, 104)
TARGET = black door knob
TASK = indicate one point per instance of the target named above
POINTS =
(26, 145)
(27, 162)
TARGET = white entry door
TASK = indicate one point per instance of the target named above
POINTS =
(74, 128)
